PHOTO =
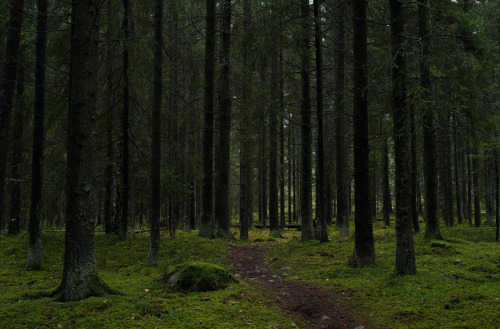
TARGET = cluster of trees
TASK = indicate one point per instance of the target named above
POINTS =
(187, 113)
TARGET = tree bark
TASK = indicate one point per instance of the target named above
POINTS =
(405, 251)
(154, 242)
(364, 250)
(475, 183)
(273, 128)
(109, 180)
(224, 118)
(123, 225)
(430, 174)
(307, 232)
(386, 193)
(7, 90)
(320, 160)
(80, 278)
(17, 155)
(341, 155)
(245, 150)
(34, 259)
(206, 223)
(414, 171)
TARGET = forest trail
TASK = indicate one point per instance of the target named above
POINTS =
(317, 306)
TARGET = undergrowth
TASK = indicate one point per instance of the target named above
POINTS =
(457, 284)
(145, 302)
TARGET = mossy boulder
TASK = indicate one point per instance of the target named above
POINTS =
(199, 277)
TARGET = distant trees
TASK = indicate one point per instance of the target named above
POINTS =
(299, 135)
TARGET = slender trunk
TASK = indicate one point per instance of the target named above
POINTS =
(469, 186)
(414, 172)
(458, 175)
(498, 196)
(246, 209)
(405, 251)
(320, 161)
(154, 242)
(108, 198)
(489, 195)
(475, 183)
(7, 90)
(273, 129)
(34, 259)
(342, 170)
(122, 232)
(386, 194)
(430, 174)
(282, 142)
(290, 162)
(364, 249)
(206, 223)
(224, 118)
(307, 232)
(17, 155)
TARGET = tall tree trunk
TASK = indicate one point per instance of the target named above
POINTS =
(405, 251)
(290, 172)
(108, 197)
(475, 183)
(224, 118)
(490, 194)
(307, 232)
(7, 90)
(364, 249)
(414, 171)
(386, 193)
(206, 223)
(154, 242)
(282, 139)
(122, 232)
(458, 173)
(341, 168)
(80, 278)
(246, 212)
(34, 259)
(17, 155)
(430, 174)
(273, 128)
(320, 161)
(498, 196)
(262, 156)
(469, 186)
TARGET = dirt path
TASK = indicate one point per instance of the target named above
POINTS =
(319, 307)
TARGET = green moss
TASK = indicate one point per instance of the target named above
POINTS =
(199, 277)
(465, 295)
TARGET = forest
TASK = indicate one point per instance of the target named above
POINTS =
(240, 163)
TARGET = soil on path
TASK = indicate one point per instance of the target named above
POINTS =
(318, 307)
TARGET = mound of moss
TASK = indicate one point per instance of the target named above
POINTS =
(199, 277)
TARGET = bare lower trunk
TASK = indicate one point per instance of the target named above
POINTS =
(7, 91)
(154, 242)
(364, 249)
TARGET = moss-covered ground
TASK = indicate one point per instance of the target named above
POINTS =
(457, 284)
(145, 302)
(445, 293)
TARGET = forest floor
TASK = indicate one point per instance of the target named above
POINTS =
(283, 283)
(316, 306)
